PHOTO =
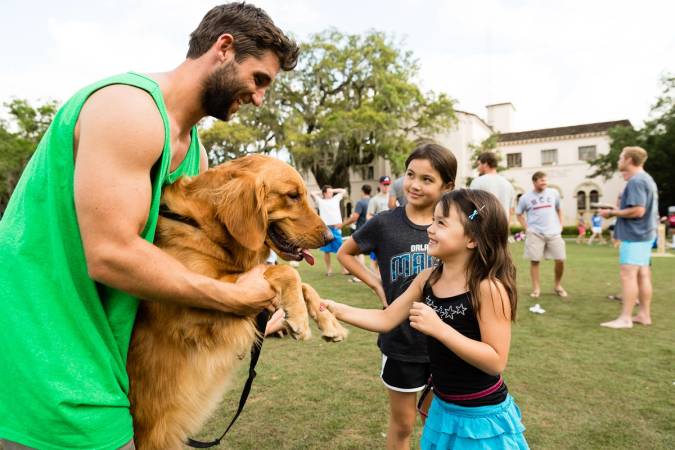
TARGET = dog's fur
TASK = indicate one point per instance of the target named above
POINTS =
(181, 358)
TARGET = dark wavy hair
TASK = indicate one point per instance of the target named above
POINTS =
(489, 229)
(441, 159)
(253, 32)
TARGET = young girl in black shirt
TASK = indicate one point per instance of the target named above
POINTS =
(464, 306)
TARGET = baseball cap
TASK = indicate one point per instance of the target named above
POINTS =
(385, 180)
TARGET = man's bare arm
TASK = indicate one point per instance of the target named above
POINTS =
(203, 159)
(121, 136)
(522, 221)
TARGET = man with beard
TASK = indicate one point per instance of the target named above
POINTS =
(76, 238)
(637, 219)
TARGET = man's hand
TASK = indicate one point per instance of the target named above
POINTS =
(605, 212)
(424, 319)
(256, 292)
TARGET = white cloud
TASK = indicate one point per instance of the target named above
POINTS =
(560, 63)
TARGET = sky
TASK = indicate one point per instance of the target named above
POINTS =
(559, 62)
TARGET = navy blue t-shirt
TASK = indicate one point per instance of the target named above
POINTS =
(401, 250)
(362, 209)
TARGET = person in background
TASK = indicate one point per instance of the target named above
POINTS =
(380, 202)
(396, 194)
(358, 217)
(581, 228)
(596, 229)
(636, 222)
(543, 231)
(328, 202)
(489, 180)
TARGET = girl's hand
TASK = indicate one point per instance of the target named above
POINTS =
(424, 319)
(330, 305)
(379, 290)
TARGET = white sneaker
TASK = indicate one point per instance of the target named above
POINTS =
(537, 309)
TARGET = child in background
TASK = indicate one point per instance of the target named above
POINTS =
(464, 306)
(398, 237)
(596, 228)
(581, 228)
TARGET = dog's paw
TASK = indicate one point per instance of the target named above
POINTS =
(298, 331)
(331, 328)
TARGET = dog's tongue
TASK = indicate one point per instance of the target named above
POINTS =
(308, 256)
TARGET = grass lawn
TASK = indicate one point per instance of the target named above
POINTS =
(579, 386)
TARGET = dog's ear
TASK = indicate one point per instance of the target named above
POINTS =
(241, 208)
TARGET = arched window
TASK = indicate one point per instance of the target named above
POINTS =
(594, 196)
(581, 200)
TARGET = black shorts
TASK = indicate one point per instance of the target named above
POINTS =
(404, 376)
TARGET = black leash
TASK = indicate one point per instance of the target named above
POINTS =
(261, 323)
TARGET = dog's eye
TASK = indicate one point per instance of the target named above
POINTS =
(293, 195)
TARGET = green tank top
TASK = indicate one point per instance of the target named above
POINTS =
(63, 337)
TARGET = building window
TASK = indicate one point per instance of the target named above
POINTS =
(514, 160)
(371, 173)
(594, 197)
(549, 157)
(581, 200)
(587, 153)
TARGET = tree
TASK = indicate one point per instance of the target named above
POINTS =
(19, 137)
(351, 99)
(657, 137)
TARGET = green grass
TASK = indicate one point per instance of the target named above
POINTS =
(578, 385)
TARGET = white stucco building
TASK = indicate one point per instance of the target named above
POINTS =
(562, 153)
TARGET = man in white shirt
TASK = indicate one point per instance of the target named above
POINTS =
(328, 202)
(543, 230)
(489, 180)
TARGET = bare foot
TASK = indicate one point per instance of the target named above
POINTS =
(560, 292)
(618, 323)
(642, 320)
(535, 293)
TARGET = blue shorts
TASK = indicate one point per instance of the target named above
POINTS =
(451, 426)
(637, 253)
(334, 245)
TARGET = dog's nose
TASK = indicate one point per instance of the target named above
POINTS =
(327, 236)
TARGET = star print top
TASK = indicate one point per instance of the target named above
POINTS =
(451, 375)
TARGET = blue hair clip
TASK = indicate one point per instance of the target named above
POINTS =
(475, 212)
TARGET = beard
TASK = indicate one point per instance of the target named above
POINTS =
(221, 89)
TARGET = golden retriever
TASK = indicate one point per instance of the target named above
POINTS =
(181, 358)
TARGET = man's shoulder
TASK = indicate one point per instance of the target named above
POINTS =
(124, 116)
(640, 178)
(527, 195)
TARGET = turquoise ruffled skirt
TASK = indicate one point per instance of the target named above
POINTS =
(484, 427)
